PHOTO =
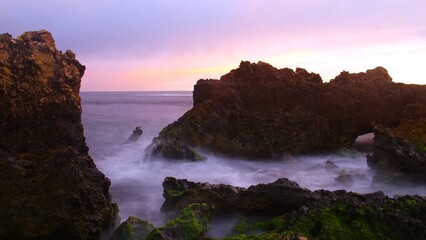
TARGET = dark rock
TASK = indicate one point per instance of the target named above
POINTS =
(345, 179)
(50, 187)
(176, 151)
(258, 111)
(400, 152)
(330, 165)
(278, 197)
(319, 214)
(137, 133)
(132, 229)
(192, 223)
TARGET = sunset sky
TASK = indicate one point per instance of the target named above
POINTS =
(137, 45)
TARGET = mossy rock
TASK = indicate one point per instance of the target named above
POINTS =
(192, 223)
(398, 218)
(132, 229)
(176, 151)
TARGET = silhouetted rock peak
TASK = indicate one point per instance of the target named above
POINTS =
(373, 76)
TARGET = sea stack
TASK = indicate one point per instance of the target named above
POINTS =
(259, 111)
(50, 187)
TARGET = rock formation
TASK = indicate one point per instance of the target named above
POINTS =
(192, 223)
(400, 152)
(278, 197)
(49, 185)
(136, 134)
(258, 111)
(132, 229)
(317, 214)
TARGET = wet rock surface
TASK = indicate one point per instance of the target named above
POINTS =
(132, 229)
(298, 212)
(400, 153)
(49, 185)
(258, 111)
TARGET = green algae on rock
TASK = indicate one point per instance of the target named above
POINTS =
(320, 214)
(192, 223)
(132, 229)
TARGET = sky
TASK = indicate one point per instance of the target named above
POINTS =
(138, 45)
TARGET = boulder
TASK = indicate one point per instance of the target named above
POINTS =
(330, 165)
(50, 187)
(345, 179)
(192, 223)
(132, 229)
(258, 111)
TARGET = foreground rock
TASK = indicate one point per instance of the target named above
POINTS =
(278, 197)
(192, 223)
(299, 212)
(258, 111)
(400, 152)
(132, 229)
(50, 188)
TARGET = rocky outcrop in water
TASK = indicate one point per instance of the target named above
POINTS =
(295, 211)
(50, 187)
(258, 111)
(136, 134)
(400, 153)
(278, 197)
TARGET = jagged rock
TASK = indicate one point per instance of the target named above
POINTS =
(192, 223)
(319, 214)
(132, 229)
(400, 152)
(137, 133)
(258, 111)
(50, 187)
(280, 196)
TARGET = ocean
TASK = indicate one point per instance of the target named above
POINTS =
(136, 181)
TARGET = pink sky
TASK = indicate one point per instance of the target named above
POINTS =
(169, 45)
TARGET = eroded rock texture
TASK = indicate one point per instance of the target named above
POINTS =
(49, 185)
(258, 111)
(317, 214)
(400, 152)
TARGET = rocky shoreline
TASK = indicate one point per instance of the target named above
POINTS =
(289, 212)
(50, 188)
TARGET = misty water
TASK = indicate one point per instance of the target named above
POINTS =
(109, 119)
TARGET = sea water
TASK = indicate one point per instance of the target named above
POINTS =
(136, 182)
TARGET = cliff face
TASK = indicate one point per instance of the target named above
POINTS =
(49, 185)
(259, 111)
